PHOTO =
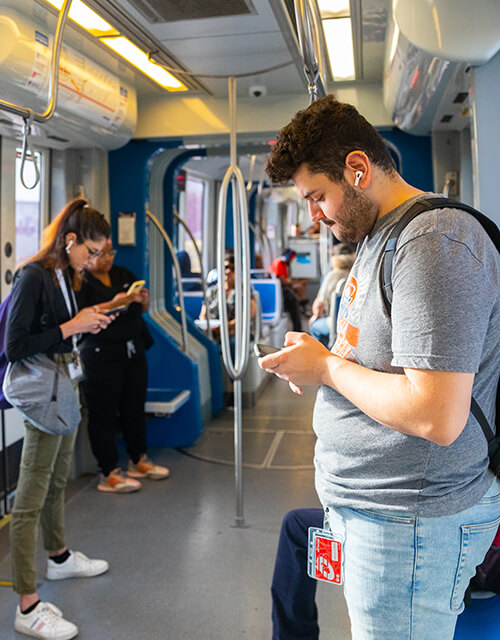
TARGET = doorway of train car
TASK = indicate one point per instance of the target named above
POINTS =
(24, 213)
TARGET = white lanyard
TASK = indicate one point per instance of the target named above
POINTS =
(64, 289)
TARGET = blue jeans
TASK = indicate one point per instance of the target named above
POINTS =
(406, 576)
(320, 330)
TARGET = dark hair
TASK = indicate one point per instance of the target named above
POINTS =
(78, 218)
(321, 137)
(184, 262)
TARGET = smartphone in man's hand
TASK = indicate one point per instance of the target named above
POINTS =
(262, 350)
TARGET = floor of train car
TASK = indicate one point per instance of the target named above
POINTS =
(179, 570)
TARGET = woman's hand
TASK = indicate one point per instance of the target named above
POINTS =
(142, 297)
(87, 320)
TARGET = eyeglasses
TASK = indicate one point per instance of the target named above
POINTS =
(109, 254)
(93, 253)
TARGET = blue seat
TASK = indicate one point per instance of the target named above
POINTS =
(271, 299)
(193, 301)
(480, 621)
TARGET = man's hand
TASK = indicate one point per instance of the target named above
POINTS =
(301, 362)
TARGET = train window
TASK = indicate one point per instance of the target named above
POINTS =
(194, 206)
(28, 209)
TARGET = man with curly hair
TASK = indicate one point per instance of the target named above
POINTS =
(401, 465)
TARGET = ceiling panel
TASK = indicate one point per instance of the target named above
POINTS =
(244, 43)
(255, 52)
(232, 45)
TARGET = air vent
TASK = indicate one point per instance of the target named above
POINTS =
(7, 122)
(460, 97)
(57, 139)
(446, 118)
(158, 11)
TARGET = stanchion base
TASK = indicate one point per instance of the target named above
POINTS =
(239, 523)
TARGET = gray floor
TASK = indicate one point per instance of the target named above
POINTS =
(179, 570)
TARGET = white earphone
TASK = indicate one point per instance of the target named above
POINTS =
(68, 246)
(359, 175)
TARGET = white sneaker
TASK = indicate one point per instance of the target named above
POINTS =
(44, 622)
(76, 566)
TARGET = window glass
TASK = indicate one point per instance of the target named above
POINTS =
(195, 192)
(28, 209)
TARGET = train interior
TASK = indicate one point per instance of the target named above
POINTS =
(156, 102)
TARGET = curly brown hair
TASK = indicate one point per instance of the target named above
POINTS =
(321, 137)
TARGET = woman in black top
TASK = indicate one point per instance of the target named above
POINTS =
(116, 376)
(69, 244)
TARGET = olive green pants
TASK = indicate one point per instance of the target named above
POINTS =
(40, 495)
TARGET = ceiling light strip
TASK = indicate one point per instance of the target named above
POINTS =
(339, 44)
(92, 22)
(128, 50)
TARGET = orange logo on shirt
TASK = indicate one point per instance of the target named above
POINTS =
(347, 334)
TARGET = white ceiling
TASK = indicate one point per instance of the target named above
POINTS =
(245, 43)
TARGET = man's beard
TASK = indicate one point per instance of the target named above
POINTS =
(355, 217)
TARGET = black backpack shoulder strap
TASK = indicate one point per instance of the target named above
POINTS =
(427, 204)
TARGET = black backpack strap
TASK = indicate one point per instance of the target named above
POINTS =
(427, 204)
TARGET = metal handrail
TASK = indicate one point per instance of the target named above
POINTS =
(29, 116)
(308, 26)
(178, 276)
(242, 293)
(237, 369)
(200, 260)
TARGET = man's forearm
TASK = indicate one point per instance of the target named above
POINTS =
(416, 403)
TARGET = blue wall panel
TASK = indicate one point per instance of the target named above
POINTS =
(416, 152)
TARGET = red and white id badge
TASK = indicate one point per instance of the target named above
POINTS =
(325, 555)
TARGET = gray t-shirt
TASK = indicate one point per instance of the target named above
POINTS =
(445, 316)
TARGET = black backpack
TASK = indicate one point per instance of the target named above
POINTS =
(490, 431)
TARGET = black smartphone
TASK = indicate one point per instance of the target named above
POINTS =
(262, 350)
(113, 312)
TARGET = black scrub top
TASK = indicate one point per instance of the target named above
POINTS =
(129, 325)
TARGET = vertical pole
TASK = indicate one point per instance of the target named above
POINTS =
(239, 520)
(4, 464)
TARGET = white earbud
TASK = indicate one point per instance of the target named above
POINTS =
(68, 246)
(359, 175)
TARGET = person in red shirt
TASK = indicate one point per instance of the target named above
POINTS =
(280, 267)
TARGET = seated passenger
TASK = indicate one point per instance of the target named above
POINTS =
(313, 229)
(213, 301)
(294, 611)
(116, 376)
(291, 301)
(320, 323)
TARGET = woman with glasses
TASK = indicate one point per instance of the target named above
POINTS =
(44, 318)
(116, 375)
